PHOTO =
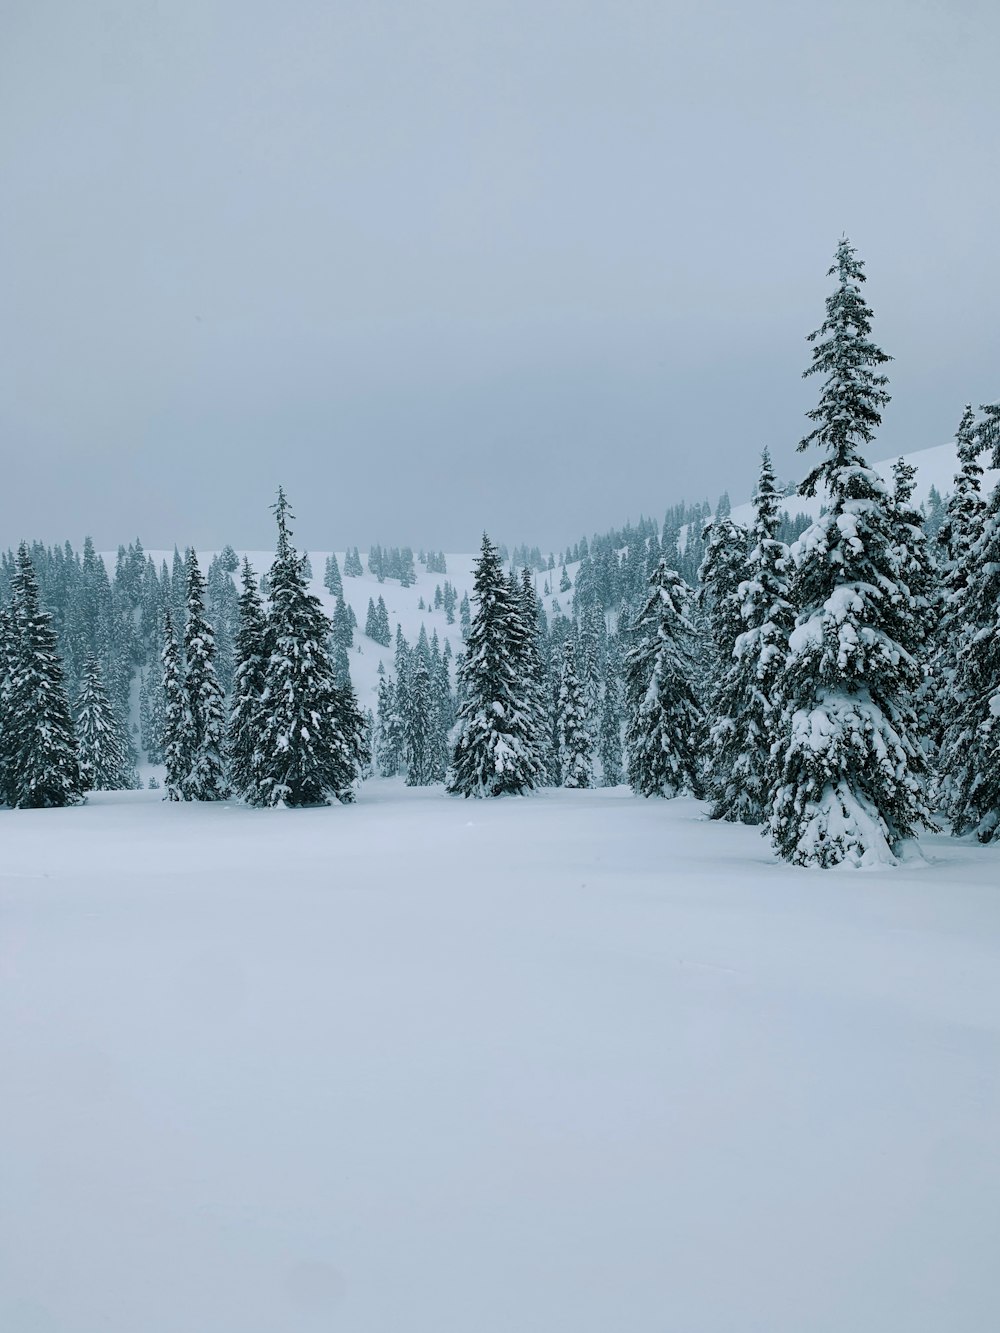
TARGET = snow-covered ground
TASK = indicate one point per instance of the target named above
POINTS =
(572, 1062)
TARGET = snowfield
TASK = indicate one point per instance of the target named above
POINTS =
(572, 1062)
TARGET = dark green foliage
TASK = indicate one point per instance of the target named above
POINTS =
(664, 726)
(312, 740)
(495, 751)
(850, 767)
(102, 752)
(40, 765)
(245, 719)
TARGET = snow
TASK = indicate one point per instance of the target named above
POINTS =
(422, 1065)
(935, 467)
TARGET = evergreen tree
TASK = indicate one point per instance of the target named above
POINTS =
(205, 733)
(664, 720)
(494, 752)
(103, 758)
(331, 577)
(418, 738)
(352, 564)
(531, 668)
(609, 739)
(723, 570)
(576, 763)
(387, 756)
(746, 719)
(960, 530)
(971, 753)
(41, 768)
(176, 726)
(311, 743)
(850, 766)
(245, 716)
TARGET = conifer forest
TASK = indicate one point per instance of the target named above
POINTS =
(834, 681)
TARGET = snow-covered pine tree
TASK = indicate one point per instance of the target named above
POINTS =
(575, 758)
(332, 581)
(151, 711)
(103, 757)
(609, 737)
(9, 644)
(205, 738)
(494, 752)
(664, 726)
(851, 769)
(311, 739)
(42, 769)
(418, 740)
(747, 718)
(387, 757)
(442, 710)
(352, 565)
(176, 727)
(245, 720)
(531, 667)
(724, 568)
(971, 753)
(958, 534)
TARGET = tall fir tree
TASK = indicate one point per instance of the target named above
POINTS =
(850, 776)
(312, 739)
(332, 581)
(102, 752)
(609, 736)
(724, 568)
(205, 736)
(176, 725)
(495, 752)
(746, 715)
(971, 753)
(575, 757)
(246, 709)
(664, 720)
(960, 529)
(418, 738)
(42, 768)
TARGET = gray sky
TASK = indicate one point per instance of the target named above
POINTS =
(533, 265)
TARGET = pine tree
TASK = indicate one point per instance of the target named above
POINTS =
(311, 742)
(352, 565)
(850, 766)
(245, 716)
(723, 569)
(960, 530)
(418, 741)
(575, 759)
(746, 718)
(9, 646)
(664, 725)
(531, 668)
(42, 767)
(387, 757)
(205, 731)
(494, 753)
(971, 753)
(331, 576)
(176, 726)
(103, 757)
(609, 739)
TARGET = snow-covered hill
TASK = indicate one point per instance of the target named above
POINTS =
(935, 468)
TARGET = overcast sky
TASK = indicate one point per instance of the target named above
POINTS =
(440, 265)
